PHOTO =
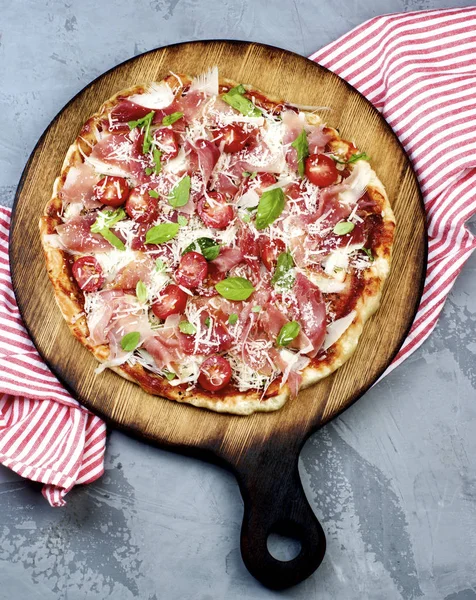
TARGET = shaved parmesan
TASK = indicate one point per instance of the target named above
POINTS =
(336, 329)
(158, 95)
(325, 284)
(206, 83)
(358, 181)
(106, 168)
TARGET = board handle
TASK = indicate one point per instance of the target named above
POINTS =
(275, 502)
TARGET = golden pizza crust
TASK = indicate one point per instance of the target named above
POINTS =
(70, 298)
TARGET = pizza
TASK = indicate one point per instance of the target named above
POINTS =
(215, 245)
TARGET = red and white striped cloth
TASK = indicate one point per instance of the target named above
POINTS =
(419, 70)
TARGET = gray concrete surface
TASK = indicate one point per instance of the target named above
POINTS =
(393, 480)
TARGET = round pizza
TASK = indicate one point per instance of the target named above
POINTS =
(215, 245)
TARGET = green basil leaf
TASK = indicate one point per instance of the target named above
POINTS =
(169, 375)
(145, 123)
(148, 171)
(182, 221)
(235, 288)
(186, 327)
(141, 291)
(237, 101)
(359, 156)
(302, 148)
(208, 322)
(283, 276)
(156, 155)
(170, 119)
(343, 227)
(112, 239)
(180, 193)
(159, 265)
(161, 233)
(256, 309)
(233, 319)
(246, 218)
(206, 246)
(107, 218)
(130, 341)
(153, 194)
(271, 205)
(368, 252)
(289, 331)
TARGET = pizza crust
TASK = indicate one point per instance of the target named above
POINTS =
(70, 298)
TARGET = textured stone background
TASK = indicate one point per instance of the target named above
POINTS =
(393, 480)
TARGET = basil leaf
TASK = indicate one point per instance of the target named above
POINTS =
(170, 119)
(368, 252)
(343, 227)
(145, 123)
(153, 194)
(156, 155)
(283, 276)
(182, 221)
(159, 265)
(256, 309)
(289, 331)
(271, 205)
(161, 233)
(250, 174)
(180, 192)
(208, 322)
(359, 156)
(112, 239)
(169, 375)
(130, 341)
(107, 218)
(246, 218)
(233, 318)
(302, 148)
(206, 246)
(186, 327)
(237, 101)
(235, 288)
(141, 291)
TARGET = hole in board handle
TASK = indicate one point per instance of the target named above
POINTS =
(282, 547)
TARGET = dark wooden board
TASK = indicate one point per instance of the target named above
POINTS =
(261, 449)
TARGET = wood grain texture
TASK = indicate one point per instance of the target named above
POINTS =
(263, 448)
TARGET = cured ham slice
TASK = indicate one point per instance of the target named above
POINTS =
(137, 270)
(249, 247)
(79, 185)
(204, 154)
(317, 139)
(121, 155)
(227, 259)
(100, 317)
(166, 344)
(76, 235)
(312, 311)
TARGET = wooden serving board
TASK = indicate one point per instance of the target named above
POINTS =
(262, 449)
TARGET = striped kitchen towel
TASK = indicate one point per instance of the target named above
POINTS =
(419, 70)
(45, 435)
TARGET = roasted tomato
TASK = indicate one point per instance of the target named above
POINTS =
(321, 170)
(112, 191)
(173, 301)
(233, 137)
(140, 206)
(215, 373)
(88, 273)
(270, 250)
(215, 211)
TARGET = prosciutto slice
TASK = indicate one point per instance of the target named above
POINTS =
(249, 247)
(317, 139)
(166, 344)
(227, 259)
(272, 320)
(78, 187)
(137, 270)
(312, 311)
(120, 154)
(76, 235)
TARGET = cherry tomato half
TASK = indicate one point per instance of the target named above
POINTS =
(88, 273)
(214, 210)
(234, 137)
(172, 301)
(192, 270)
(215, 373)
(112, 191)
(166, 141)
(270, 250)
(321, 170)
(259, 183)
(140, 206)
